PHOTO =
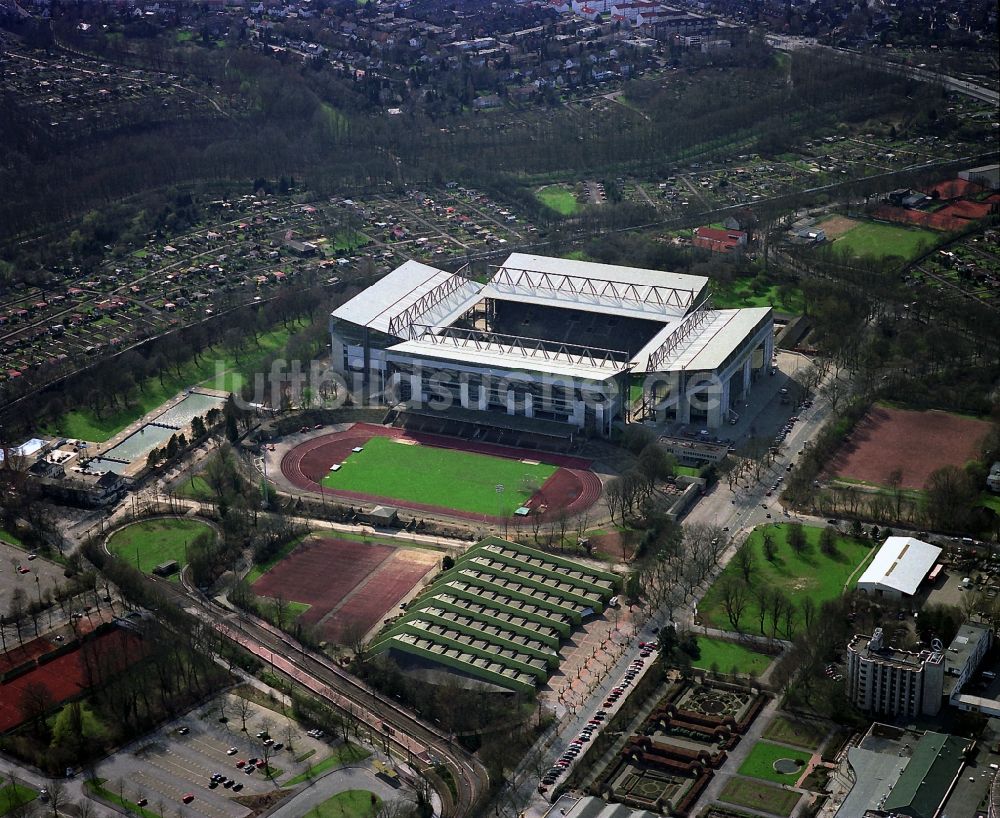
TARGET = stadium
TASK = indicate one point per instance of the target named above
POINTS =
(549, 347)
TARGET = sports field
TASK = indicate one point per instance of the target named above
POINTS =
(558, 198)
(348, 586)
(810, 574)
(153, 542)
(915, 443)
(438, 474)
(465, 481)
(728, 655)
(884, 240)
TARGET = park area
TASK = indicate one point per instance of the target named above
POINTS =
(887, 440)
(873, 240)
(791, 730)
(744, 792)
(348, 804)
(150, 543)
(728, 657)
(345, 588)
(439, 474)
(558, 198)
(807, 574)
(772, 762)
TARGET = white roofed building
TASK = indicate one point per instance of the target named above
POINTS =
(899, 567)
(552, 339)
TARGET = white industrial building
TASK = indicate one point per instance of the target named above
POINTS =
(899, 567)
(554, 340)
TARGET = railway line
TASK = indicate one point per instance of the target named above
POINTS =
(421, 744)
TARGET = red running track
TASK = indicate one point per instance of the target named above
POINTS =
(571, 490)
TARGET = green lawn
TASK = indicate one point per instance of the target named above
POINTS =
(742, 292)
(13, 539)
(687, 471)
(153, 542)
(809, 574)
(558, 198)
(760, 763)
(458, 480)
(790, 730)
(85, 425)
(345, 754)
(577, 255)
(990, 501)
(15, 796)
(758, 796)
(882, 240)
(348, 804)
(195, 488)
(96, 786)
(727, 655)
(293, 610)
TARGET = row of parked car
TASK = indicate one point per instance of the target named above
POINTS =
(575, 747)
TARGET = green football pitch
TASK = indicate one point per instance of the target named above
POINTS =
(462, 481)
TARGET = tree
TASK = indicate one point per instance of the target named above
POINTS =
(828, 541)
(744, 562)
(735, 597)
(35, 703)
(17, 610)
(950, 495)
(796, 537)
(769, 547)
(57, 792)
(808, 611)
(244, 708)
(762, 598)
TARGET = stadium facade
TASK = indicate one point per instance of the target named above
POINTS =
(552, 339)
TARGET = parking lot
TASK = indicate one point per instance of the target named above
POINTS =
(182, 758)
(18, 570)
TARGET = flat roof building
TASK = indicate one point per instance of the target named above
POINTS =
(902, 772)
(883, 679)
(899, 567)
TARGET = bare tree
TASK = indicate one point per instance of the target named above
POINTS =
(735, 597)
(744, 562)
(244, 708)
(57, 792)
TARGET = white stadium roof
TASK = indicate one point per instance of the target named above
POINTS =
(900, 565)
(419, 304)
(506, 356)
(401, 290)
(591, 287)
(706, 348)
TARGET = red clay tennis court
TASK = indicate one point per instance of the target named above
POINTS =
(71, 674)
(916, 443)
(321, 572)
(380, 594)
(349, 585)
(572, 489)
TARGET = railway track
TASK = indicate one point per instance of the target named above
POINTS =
(421, 744)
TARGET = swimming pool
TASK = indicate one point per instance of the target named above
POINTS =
(139, 444)
(194, 405)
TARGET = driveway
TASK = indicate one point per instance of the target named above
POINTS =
(324, 788)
